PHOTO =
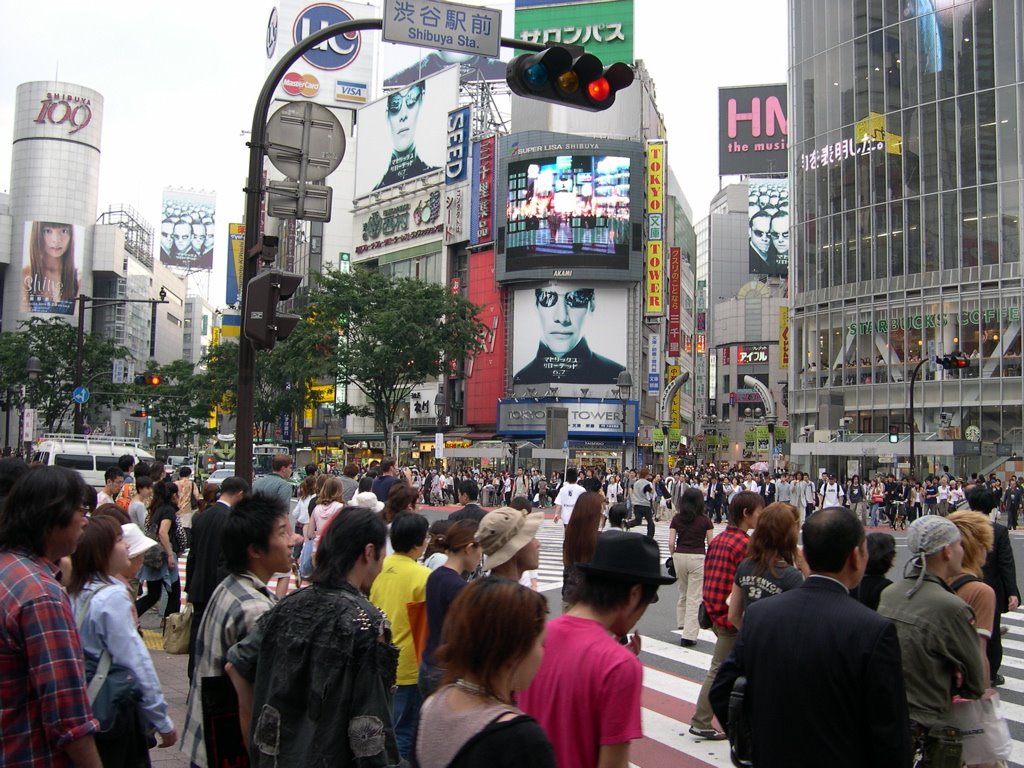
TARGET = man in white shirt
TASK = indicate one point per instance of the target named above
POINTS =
(568, 495)
(830, 494)
(113, 479)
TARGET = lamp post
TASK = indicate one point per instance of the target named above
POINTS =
(440, 410)
(80, 340)
(33, 368)
(913, 380)
(327, 433)
(624, 382)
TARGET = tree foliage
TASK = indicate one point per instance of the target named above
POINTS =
(387, 335)
(54, 342)
(174, 404)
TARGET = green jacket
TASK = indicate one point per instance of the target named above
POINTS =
(937, 639)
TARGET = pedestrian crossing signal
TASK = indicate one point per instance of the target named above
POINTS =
(573, 79)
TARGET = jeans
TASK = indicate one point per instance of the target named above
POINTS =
(873, 514)
(405, 711)
(723, 647)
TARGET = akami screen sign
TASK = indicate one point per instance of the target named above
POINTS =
(753, 130)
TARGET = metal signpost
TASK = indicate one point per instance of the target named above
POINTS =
(254, 191)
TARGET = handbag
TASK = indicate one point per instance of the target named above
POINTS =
(670, 566)
(177, 630)
(179, 538)
(419, 627)
(111, 686)
(222, 730)
(741, 737)
(306, 559)
(986, 736)
(195, 498)
(154, 557)
(703, 620)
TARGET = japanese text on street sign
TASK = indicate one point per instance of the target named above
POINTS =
(448, 26)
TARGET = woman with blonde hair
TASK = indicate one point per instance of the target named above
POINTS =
(329, 501)
(977, 539)
(580, 540)
(770, 565)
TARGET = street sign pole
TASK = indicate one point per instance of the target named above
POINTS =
(254, 226)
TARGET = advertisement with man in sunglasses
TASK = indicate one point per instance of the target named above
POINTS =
(402, 136)
(768, 206)
(569, 333)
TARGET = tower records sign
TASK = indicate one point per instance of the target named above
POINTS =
(75, 112)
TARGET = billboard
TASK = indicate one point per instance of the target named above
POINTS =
(336, 73)
(752, 354)
(403, 135)
(51, 265)
(768, 208)
(753, 130)
(569, 332)
(605, 29)
(654, 263)
(236, 263)
(186, 229)
(566, 204)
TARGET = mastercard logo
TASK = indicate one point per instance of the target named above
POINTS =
(295, 84)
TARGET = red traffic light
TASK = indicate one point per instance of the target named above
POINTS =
(140, 414)
(149, 379)
(957, 360)
(572, 79)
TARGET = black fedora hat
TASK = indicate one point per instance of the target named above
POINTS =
(626, 556)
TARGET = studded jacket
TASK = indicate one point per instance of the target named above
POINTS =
(323, 670)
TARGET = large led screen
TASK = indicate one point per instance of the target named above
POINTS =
(567, 204)
(569, 333)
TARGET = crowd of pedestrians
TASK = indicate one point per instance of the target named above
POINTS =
(410, 643)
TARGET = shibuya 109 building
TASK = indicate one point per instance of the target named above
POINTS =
(905, 163)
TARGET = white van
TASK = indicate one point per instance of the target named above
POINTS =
(88, 455)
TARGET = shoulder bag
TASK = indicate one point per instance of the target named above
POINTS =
(111, 686)
(177, 631)
(154, 557)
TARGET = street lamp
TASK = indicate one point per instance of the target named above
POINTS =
(440, 409)
(625, 383)
(33, 367)
(327, 433)
(80, 340)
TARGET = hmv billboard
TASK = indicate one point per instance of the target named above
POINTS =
(753, 130)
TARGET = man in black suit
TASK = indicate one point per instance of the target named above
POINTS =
(205, 568)
(469, 492)
(1000, 573)
(824, 673)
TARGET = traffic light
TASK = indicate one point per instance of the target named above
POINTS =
(149, 379)
(560, 76)
(894, 434)
(263, 324)
(140, 414)
(953, 362)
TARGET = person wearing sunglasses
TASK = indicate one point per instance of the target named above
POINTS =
(403, 113)
(760, 239)
(563, 354)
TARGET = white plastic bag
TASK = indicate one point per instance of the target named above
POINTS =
(985, 732)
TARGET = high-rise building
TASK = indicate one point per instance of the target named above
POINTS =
(906, 169)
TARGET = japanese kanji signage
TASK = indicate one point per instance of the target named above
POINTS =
(830, 154)
(675, 271)
(442, 25)
(655, 259)
(482, 214)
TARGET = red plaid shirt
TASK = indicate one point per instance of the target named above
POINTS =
(43, 702)
(726, 551)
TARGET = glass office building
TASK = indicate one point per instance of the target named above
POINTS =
(905, 161)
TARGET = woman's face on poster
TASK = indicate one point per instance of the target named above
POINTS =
(56, 239)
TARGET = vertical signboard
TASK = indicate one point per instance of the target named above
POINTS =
(482, 215)
(784, 337)
(655, 263)
(654, 364)
(236, 249)
(675, 276)
(674, 371)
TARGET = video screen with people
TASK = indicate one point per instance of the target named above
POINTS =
(568, 204)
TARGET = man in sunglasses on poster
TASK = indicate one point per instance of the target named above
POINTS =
(403, 113)
(563, 355)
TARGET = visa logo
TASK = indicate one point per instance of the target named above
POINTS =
(346, 91)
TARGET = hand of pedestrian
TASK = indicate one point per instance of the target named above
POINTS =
(634, 644)
(1014, 602)
(168, 739)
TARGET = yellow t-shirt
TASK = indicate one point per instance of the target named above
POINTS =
(402, 580)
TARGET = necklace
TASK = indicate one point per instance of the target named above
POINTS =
(473, 688)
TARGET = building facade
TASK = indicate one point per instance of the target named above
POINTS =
(905, 161)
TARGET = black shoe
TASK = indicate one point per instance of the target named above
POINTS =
(998, 680)
(686, 642)
(708, 733)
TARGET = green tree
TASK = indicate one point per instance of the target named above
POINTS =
(54, 342)
(173, 403)
(386, 336)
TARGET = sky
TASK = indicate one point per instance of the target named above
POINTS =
(180, 81)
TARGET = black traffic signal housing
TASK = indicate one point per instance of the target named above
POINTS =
(263, 325)
(568, 77)
(149, 379)
(140, 414)
(953, 362)
(894, 434)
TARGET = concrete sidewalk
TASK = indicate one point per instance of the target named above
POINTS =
(173, 674)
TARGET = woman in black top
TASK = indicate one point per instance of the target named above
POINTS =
(689, 535)
(493, 647)
(163, 522)
(881, 553)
